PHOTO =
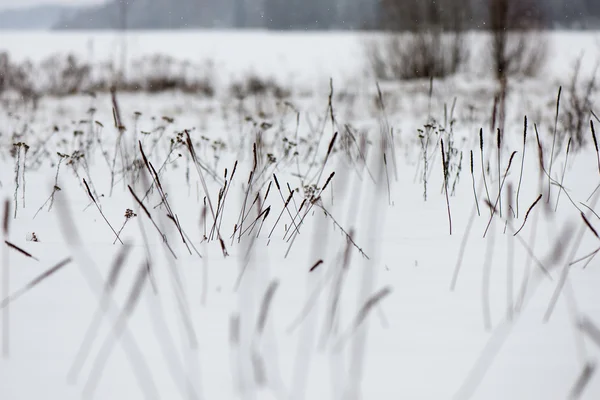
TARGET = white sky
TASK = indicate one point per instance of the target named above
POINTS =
(4, 4)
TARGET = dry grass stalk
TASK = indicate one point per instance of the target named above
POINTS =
(527, 214)
(562, 180)
(522, 162)
(445, 169)
(20, 250)
(89, 192)
(487, 192)
(501, 184)
(31, 285)
(473, 180)
(6, 284)
(553, 141)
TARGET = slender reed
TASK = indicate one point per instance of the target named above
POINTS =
(487, 192)
(553, 143)
(560, 190)
(522, 163)
(500, 193)
(6, 285)
(445, 169)
(499, 146)
(474, 191)
(89, 192)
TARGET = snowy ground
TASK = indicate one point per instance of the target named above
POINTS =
(301, 60)
(258, 316)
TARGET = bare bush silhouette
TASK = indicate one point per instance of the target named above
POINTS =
(424, 40)
(576, 111)
(64, 75)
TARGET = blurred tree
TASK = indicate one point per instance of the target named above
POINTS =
(436, 44)
(417, 15)
(325, 14)
(515, 50)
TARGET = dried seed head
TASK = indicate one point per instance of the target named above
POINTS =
(471, 162)
(130, 214)
(594, 135)
(481, 139)
(499, 138)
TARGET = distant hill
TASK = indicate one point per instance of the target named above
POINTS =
(307, 14)
(42, 17)
(154, 14)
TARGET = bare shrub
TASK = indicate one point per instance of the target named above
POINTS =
(18, 78)
(427, 40)
(159, 73)
(254, 85)
(576, 109)
(418, 55)
(4, 71)
(62, 76)
(57, 75)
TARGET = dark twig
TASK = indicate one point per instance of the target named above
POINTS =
(563, 175)
(499, 193)
(522, 163)
(527, 214)
(13, 297)
(553, 142)
(314, 267)
(595, 143)
(474, 191)
(487, 192)
(589, 225)
(99, 209)
(20, 250)
(6, 284)
(445, 169)
(164, 237)
(499, 148)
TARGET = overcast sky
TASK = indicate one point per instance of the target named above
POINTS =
(4, 4)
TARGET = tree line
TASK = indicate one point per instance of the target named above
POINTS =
(395, 15)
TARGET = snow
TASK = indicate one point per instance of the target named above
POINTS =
(301, 59)
(197, 331)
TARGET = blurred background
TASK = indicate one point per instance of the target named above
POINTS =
(303, 89)
(212, 47)
(290, 14)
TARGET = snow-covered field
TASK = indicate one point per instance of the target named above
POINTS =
(340, 265)
(299, 59)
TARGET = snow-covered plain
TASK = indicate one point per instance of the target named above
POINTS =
(300, 59)
(258, 317)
